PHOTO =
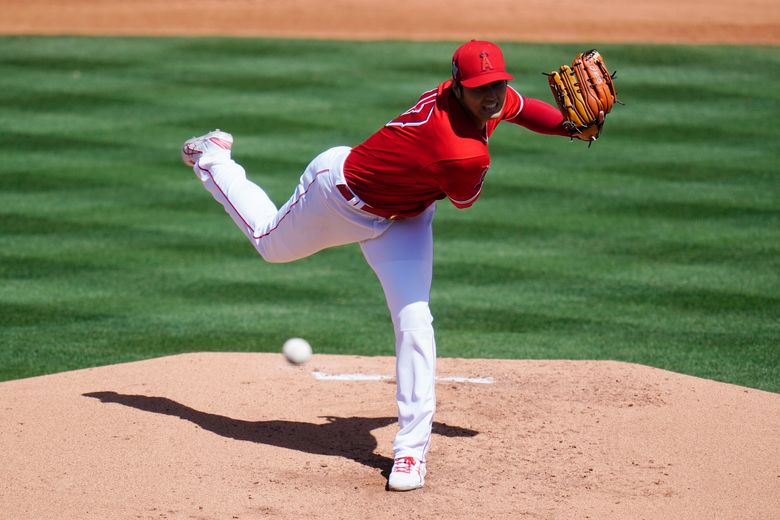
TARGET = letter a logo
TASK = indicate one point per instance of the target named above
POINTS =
(486, 65)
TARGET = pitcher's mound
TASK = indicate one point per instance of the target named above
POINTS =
(245, 436)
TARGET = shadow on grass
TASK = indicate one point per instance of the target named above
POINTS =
(348, 437)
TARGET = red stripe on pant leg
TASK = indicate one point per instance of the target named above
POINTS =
(316, 175)
(208, 172)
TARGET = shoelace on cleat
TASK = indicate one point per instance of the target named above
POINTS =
(403, 465)
(221, 142)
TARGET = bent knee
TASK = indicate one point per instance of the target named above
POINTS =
(274, 255)
(415, 316)
(272, 258)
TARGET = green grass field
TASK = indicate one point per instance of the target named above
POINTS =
(659, 245)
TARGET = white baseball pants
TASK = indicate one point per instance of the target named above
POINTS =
(318, 216)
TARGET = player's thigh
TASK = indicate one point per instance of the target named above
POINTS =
(314, 218)
(402, 258)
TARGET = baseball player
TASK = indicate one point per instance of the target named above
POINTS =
(382, 194)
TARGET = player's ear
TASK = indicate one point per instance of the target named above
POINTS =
(457, 89)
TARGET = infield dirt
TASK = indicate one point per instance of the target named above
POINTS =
(244, 436)
(671, 21)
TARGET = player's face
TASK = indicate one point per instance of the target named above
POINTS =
(483, 103)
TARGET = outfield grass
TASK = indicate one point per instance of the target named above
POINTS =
(659, 245)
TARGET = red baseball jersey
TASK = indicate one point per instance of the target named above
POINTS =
(434, 150)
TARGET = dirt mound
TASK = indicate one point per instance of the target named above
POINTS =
(215, 436)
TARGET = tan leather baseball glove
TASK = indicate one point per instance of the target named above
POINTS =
(585, 94)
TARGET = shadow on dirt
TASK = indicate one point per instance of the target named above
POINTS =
(348, 437)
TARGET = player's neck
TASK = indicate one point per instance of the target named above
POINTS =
(477, 123)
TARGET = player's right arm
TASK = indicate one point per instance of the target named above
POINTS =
(461, 180)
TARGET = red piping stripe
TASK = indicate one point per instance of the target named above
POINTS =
(293, 204)
(227, 199)
(242, 217)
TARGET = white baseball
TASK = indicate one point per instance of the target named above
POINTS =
(297, 351)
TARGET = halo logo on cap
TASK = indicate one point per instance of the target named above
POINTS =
(486, 65)
(478, 63)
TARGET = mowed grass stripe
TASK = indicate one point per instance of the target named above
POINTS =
(658, 245)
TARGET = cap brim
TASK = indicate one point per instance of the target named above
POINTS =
(484, 79)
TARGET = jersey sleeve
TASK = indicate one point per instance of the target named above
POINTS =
(538, 116)
(513, 104)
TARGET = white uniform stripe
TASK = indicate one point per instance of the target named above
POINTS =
(467, 201)
(522, 104)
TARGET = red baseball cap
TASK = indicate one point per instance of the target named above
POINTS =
(478, 63)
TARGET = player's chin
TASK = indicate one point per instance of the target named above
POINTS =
(488, 115)
(491, 112)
